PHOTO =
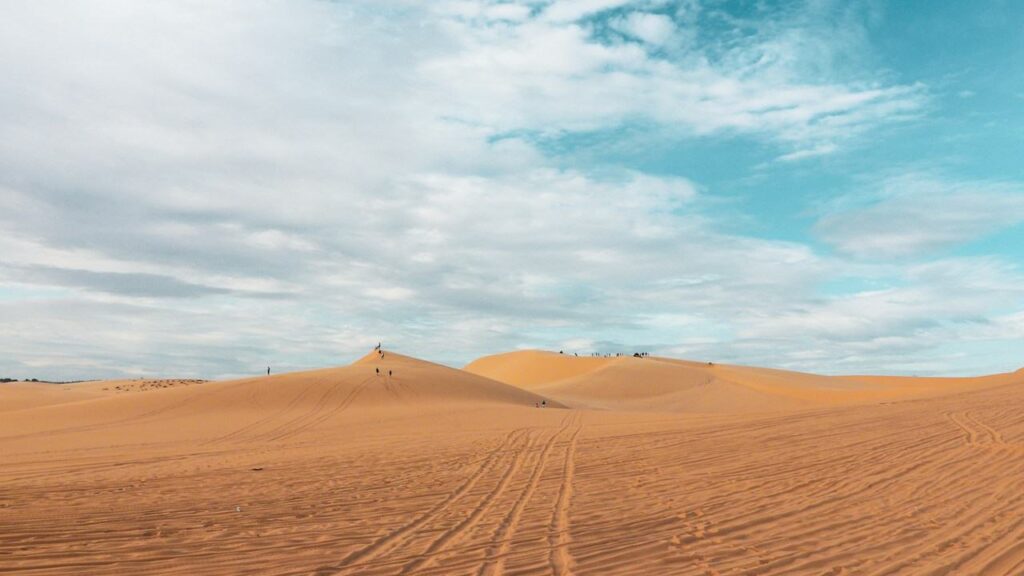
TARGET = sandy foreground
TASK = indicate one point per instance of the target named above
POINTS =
(637, 466)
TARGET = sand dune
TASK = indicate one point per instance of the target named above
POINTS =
(22, 395)
(440, 471)
(266, 407)
(530, 369)
(671, 385)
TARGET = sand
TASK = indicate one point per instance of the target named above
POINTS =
(667, 384)
(654, 466)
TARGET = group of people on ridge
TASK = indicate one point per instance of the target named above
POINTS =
(380, 354)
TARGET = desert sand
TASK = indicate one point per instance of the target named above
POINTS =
(636, 466)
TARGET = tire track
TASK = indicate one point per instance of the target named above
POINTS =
(970, 436)
(288, 425)
(560, 557)
(399, 536)
(856, 532)
(976, 433)
(266, 419)
(339, 407)
(991, 435)
(974, 519)
(457, 532)
(495, 562)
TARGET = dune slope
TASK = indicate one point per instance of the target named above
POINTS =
(340, 472)
(265, 407)
(671, 385)
(531, 369)
(22, 395)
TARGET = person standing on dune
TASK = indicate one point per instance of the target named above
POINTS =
(268, 370)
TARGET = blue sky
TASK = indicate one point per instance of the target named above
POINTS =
(202, 189)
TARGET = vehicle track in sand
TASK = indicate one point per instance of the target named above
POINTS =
(929, 486)
(502, 537)
(323, 410)
(976, 433)
(561, 558)
(358, 558)
(453, 534)
(243, 431)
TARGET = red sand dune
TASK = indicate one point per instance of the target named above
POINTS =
(662, 467)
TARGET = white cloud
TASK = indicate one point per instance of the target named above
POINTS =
(654, 29)
(202, 188)
(562, 11)
(548, 75)
(933, 305)
(919, 213)
(818, 150)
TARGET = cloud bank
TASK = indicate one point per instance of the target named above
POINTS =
(203, 189)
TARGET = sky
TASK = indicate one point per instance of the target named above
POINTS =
(206, 188)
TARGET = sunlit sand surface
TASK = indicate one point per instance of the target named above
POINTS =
(636, 466)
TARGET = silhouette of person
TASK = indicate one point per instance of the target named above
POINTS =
(389, 373)
(378, 371)
(268, 370)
